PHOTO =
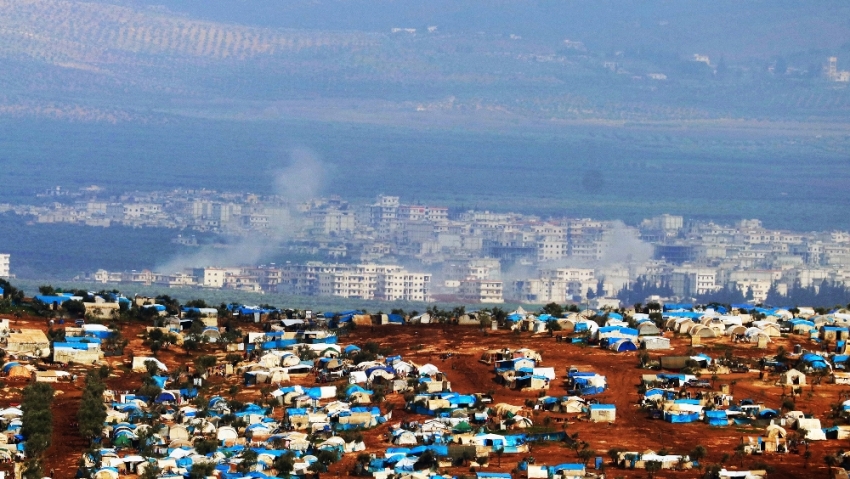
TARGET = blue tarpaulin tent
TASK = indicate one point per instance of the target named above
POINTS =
(681, 417)
(716, 418)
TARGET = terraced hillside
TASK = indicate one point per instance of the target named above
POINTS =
(112, 61)
(93, 35)
(96, 61)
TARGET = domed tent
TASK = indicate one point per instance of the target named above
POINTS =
(213, 335)
(622, 345)
(226, 433)
(754, 334)
(648, 328)
(701, 331)
(771, 329)
(289, 360)
(18, 371)
(178, 431)
(735, 330)
(714, 323)
(106, 473)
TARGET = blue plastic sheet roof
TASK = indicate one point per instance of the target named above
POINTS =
(678, 307)
(567, 467)
(160, 380)
(602, 406)
(50, 299)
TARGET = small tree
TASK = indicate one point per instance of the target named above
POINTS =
(46, 290)
(92, 411)
(553, 309)
(713, 471)
(697, 454)
(614, 454)
(426, 461)
(74, 307)
(327, 457)
(831, 461)
(652, 467)
(202, 470)
(740, 450)
(33, 469)
(152, 471)
(284, 465)
(586, 455)
(202, 363)
(249, 460)
(205, 446)
(37, 419)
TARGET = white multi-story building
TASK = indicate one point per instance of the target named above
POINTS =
(327, 221)
(667, 222)
(687, 281)
(540, 290)
(210, 277)
(137, 210)
(484, 268)
(758, 288)
(481, 291)
(568, 274)
(348, 284)
(551, 247)
(359, 281)
(4, 266)
(403, 286)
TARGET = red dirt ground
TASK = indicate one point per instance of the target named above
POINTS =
(425, 343)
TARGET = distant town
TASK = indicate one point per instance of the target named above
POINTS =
(391, 250)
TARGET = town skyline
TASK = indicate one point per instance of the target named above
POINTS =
(459, 255)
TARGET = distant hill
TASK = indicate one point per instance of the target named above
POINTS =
(146, 60)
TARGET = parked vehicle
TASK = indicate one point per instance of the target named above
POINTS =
(698, 383)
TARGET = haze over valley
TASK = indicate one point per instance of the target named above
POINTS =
(611, 110)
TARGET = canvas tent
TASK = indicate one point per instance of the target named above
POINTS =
(792, 377)
(30, 342)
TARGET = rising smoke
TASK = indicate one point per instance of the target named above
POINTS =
(622, 245)
(621, 248)
(302, 178)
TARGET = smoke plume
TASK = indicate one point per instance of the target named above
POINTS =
(302, 178)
